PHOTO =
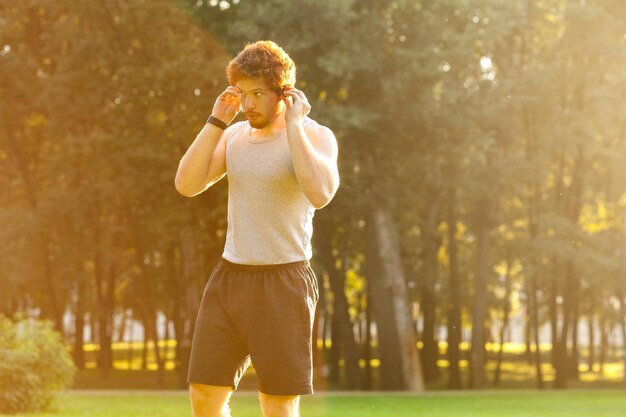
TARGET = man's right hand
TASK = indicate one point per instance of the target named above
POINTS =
(227, 105)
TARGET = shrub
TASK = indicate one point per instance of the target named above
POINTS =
(34, 363)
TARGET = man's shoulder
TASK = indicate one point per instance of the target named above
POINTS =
(312, 125)
(308, 122)
(237, 126)
(234, 129)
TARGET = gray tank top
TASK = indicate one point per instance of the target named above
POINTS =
(270, 220)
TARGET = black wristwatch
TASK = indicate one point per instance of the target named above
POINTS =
(216, 122)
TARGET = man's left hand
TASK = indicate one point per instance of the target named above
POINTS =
(298, 107)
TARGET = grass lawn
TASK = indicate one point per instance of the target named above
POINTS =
(575, 403)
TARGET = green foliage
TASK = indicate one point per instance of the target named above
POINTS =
(34, 363)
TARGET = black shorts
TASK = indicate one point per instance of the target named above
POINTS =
(261, 314)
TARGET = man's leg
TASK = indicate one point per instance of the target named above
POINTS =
(209, 400)
(279, 405)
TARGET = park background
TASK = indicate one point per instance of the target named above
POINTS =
(477, 239)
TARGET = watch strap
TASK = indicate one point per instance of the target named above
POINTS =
(217, 122)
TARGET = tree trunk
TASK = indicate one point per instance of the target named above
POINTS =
(79, 327)
(479, 311)
(570, 296)
(592, 337)
(55, 309)
(93, 332)
(158, 353)
(392, 306)
(52, 308)
(554, 320)
(131, 340)
(573, 357)
(177, 304)
(105, 323)
(166, 342)
(318, 359)
(454, 305)
(367, 345)
(325, 339)
(534, 305)
(506, 307)
(149, 304)
(334, 352)
(432, 241)
(622, 325)
(604, 341)
(151, 318)
(104, 285)
(430, 350)
(191, 298)
(343, 343)
(388, 349)
(119, 332)
(528, 353)
(144, 349)
(561, 349)
(343, 337)
(533, 270)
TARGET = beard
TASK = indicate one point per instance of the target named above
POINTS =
(261, 121)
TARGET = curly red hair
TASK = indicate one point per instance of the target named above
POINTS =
(266, 60)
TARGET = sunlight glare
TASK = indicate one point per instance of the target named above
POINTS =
(486, 63)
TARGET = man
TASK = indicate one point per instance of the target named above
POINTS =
(259, 303)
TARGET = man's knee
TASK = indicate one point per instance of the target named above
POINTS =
(279, 405)
(209, 400)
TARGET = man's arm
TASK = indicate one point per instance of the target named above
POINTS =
(204, 163)
(313, 151)
(314, 154)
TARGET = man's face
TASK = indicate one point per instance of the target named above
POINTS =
(260, 103)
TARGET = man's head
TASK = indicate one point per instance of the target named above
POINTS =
(261, 71)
